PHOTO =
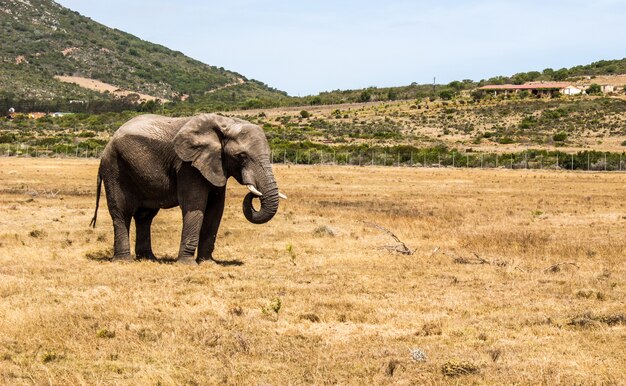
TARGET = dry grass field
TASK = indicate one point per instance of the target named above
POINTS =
(518, 277)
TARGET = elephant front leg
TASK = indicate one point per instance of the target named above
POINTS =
(193, 191)
(192, 223)
(211, 224)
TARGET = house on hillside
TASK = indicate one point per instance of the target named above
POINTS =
(607, 88)
(540, 89)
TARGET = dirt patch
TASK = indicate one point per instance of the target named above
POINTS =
(102, 87)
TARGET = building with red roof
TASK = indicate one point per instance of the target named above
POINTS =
(542, 88)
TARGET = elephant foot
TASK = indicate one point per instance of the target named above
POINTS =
(191, 260)
(202, 260)
(147, 256)
(123, 258)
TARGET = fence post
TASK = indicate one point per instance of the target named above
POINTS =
(605, 161)
(572, 161)
(481, 159)
(588, 162)
(496, 160)
(372, 157)
(557, 161)
(296, 157)
(526, 159)
(452, 159)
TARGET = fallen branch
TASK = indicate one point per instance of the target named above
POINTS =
(400, 247)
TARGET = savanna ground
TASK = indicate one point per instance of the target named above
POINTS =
(518, 277)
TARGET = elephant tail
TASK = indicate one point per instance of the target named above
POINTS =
(98, 190)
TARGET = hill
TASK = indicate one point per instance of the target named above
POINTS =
(43, 40)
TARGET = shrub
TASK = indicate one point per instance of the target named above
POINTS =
(305, 114)
(594, 89)
(446, 94)
(560, 136)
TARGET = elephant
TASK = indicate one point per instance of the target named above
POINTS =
(155, 162)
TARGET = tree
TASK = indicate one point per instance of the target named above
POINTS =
(458, 86)
(561, 74)
(520, 78)
(316, 100)
(594, 89)
(365, 96)
(446, 94)
(548, 72)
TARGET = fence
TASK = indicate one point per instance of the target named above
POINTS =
(56, 151)
(529, 159)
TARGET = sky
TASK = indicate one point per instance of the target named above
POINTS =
(305, 47)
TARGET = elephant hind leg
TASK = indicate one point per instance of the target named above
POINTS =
(143, 242)
(121, 245)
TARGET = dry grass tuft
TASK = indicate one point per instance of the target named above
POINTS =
(456, 368)
(431, 329)
(310, 317)
(392, 365)
(37, 234)
(589, 320)
(495, 354)
(324, 230)
(100, 255)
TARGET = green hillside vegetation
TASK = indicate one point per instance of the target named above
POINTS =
(462, 132)
(42, 39)
(602, 67)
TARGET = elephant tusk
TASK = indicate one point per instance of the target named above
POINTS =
(282, 195)
(254, 190)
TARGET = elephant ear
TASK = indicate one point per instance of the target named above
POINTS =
(198, 142)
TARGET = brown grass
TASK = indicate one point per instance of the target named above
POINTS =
(314, 296)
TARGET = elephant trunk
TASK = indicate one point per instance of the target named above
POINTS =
(266, 184)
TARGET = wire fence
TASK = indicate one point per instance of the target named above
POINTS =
(528, 159)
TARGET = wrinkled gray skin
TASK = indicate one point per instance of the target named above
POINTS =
(155, 162)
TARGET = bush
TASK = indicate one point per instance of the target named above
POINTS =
(365, 96)
(305, 114)
(594, 89)
(446, 94)
(560, 137)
